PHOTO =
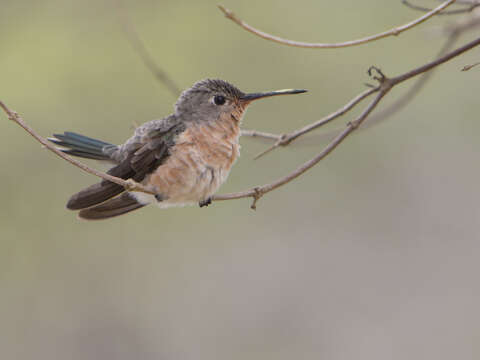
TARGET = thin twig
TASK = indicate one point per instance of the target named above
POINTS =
(386, 85)
(257, 192)
(435, 63)
(141, 50)
(129, 184)
(454, 33)
(260, 134)
(468, 67)
(286, 139)
(393, 32)
(470, 8)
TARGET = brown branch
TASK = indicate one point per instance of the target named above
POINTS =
(286, 139)
(470, 8)
(141, 50)
(454, 32)
(386, 84)
(393, 32)
(129, 184)
(260, 134)
(410, 74)
(257, 192)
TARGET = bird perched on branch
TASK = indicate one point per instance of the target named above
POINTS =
(183, 158)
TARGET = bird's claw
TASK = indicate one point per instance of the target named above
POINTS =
(205, 202)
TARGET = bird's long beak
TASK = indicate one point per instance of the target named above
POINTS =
(256, 96)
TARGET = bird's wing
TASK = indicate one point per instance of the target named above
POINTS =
(137, 158)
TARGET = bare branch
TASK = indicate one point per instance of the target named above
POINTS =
(470, 8)
(393, 32)
(257, 192)
(410, 74)
(141, 50)
(386, 84)
(286, 139)
(129, 184)
(454, 32)
(260, 134)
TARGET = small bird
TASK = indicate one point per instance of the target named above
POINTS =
(183, 158)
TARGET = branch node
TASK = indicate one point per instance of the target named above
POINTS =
(131, 185)
(277, 39)
(379, 76)
(284, 140)
(13, 116)
(228, 13)
(352, 124)
(258, 193)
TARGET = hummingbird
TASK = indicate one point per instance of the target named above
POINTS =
(183, 158)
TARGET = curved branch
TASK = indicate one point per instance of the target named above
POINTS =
(470, 8)
(286, 139)
(454, 33)
(257, 192)
(386, 84)
(393, 32)
(129, 184)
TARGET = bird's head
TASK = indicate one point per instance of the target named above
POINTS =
(210, 100)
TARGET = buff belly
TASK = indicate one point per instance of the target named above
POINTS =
(198, 165)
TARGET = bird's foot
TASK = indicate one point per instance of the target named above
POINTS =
(205, 202)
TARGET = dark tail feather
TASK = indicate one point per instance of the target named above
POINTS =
(104, 190)
(83, 146)
(93, 195)
(114, 207)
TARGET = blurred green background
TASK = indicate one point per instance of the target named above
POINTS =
(373, 254)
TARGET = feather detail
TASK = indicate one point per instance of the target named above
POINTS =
(83, 146)
(111, 208)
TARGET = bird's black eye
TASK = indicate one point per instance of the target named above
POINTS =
(219, 100)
